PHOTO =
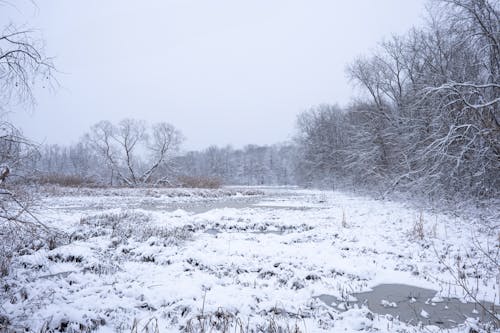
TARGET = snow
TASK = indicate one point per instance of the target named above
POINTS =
(388, 304)
(265, 265)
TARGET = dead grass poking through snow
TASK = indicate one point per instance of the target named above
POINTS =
(344, 220)
(148, 326)
(418, 227)
(125, 225)
(224, 321)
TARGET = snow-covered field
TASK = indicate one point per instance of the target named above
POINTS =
(141, 259)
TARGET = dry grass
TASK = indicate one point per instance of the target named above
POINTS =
(200, 182)
(148, 326)
(91, 325)
(344, 220)
(18, 238)
(142, 192)
(418, 228)
(224, 321)
(112, 220)
(63, 180)
(121, 226)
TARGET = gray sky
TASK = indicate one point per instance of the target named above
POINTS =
(222, 71)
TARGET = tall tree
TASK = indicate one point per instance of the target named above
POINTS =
(133, 151)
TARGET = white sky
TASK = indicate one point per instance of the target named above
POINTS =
(222, 71)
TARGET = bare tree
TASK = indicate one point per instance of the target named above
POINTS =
(163, 144)
(134, 152)
(427, 119)
(22, 65)
(467, 100)
(323, 142)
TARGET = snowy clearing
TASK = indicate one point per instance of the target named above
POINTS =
(141, 258)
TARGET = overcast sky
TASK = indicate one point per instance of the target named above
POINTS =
(222, 71)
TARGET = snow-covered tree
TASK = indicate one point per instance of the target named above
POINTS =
(428, 115)
(134, 152)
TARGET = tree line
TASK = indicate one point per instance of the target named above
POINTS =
(426, 121)
(427, 118)
(132, 153)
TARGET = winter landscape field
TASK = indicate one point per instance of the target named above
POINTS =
(257, 166)
(250, 259)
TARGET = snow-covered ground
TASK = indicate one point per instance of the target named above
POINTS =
(132, 260)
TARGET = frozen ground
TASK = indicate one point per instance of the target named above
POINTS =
(135, 259)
